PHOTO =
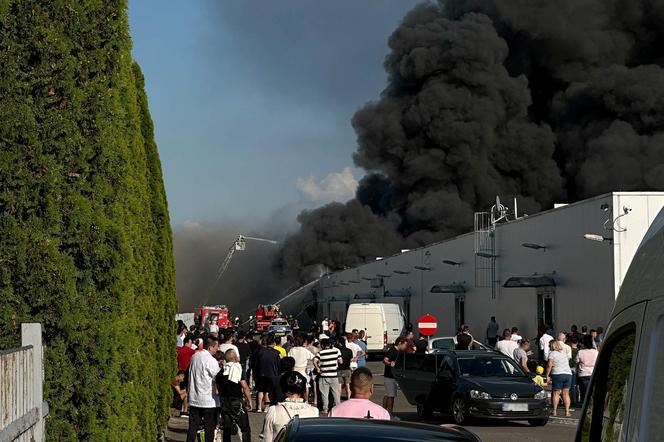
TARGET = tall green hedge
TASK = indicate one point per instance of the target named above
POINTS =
(85, 242)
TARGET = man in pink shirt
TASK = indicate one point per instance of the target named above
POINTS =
(359, 405)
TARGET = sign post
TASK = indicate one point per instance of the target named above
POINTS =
(427, 325)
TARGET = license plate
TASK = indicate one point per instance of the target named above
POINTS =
(515, 407)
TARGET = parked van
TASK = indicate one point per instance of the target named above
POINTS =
(382, 323)
(625, 401)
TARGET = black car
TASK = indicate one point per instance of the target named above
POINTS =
(471, 384)
(368, 430)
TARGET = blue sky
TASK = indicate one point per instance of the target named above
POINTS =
(252, 99)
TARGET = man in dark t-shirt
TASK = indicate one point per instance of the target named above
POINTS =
(269, 363)
(464, 339)
(243, 347)
(343, 372)
(421, 344)
(390, 361)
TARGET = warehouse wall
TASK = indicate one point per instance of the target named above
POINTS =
(583, 270)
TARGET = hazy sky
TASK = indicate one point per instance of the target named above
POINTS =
(252, 99)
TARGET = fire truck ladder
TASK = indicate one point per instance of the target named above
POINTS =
(240, 244)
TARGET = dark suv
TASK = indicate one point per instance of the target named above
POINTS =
(471, 384)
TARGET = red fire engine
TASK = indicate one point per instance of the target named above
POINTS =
(218, 313)
(264, 316)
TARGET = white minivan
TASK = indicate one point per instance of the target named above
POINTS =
(625, 401)
(382, 323)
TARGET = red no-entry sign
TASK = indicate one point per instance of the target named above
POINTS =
(427, 325)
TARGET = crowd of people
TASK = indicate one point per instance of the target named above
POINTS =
(567, 360)
(225, 374)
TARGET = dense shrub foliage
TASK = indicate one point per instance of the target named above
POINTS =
(85, 242)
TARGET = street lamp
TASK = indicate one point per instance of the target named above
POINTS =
(598, 238)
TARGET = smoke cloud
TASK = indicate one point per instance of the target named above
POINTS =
(530, 99)
(200, 248)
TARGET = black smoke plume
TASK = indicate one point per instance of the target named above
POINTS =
(543, 101)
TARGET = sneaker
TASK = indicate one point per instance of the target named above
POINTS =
(184, 415)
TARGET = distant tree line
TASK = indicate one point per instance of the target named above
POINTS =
(85, 240)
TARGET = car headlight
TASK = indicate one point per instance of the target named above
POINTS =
(475, 394)
(541, 395)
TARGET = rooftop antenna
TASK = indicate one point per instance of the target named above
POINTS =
(498, 212)
(516, 210)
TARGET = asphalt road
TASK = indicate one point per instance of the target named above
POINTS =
(489, 431)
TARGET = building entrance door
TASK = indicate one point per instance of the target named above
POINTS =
(546, 306)
(459, 311)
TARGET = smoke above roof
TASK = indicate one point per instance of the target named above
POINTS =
(531, 99)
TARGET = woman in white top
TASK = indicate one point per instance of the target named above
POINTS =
(293, 385)
(559, 374)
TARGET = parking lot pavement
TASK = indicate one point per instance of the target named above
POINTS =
(489, 431)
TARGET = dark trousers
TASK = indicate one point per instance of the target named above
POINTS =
(584, 381)
(209, 418)
(233, 412)
(572, 391)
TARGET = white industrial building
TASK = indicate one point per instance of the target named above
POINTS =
(563, 266)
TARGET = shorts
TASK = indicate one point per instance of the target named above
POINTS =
(390, 387)
(263, 384)
(344, 377)
(561, 382)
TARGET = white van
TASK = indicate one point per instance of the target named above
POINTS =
(382, 323)
(625, 400)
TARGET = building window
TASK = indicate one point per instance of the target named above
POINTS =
(606, 407)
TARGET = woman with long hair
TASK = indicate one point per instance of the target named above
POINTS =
(559, 374)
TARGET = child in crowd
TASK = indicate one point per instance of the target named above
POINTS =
(538, 379)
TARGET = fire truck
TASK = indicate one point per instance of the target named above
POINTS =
(264, 316)
(218, 313)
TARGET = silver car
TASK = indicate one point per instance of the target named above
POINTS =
(449, 343)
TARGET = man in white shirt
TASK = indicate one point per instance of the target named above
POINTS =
(228, 345)
(213, 327)
(203, 398)
(515, 335)
(544, 344)
(356, 349)
(325, 326)
(506, 346)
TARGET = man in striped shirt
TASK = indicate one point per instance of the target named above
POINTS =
(327, 362)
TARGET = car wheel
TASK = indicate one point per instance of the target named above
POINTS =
(538, 422)
(423, 412)
(459, 411)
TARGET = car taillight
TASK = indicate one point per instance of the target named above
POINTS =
(385, 337)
